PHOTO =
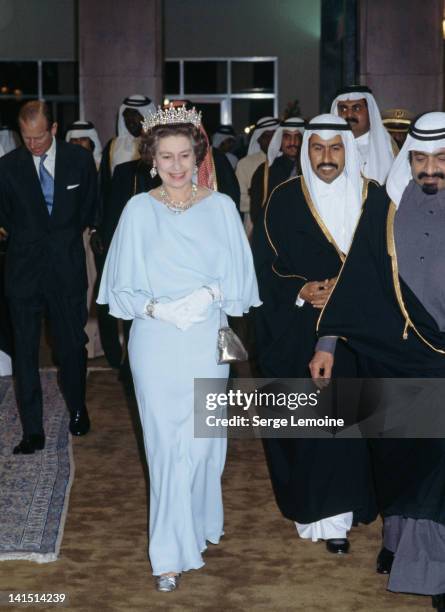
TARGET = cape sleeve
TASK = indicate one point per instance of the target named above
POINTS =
(239, 284)
(125, 285)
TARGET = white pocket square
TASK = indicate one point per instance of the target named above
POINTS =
(72, 186)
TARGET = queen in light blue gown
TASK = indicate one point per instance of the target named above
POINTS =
(156, 254)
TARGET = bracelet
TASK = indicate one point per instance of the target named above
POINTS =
(149, 308)
(210, 290)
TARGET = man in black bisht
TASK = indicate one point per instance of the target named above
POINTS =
(125, 146)
(282, 163)
(224, 139)
(389, 304)
(321, 484)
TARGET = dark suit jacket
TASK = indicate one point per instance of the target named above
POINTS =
(45, 252)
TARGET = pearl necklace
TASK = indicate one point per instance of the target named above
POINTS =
(178, 207)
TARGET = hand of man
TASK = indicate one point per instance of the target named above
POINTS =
(320, 367)
(3, 234)
(96, 243)
(317, 293)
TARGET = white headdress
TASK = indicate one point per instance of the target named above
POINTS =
(380, 154)
(427, 134)
(221, 134)
(125, 146)
(85, 129)
(265, 124)
(9, 140)
(138, 102)
(293, 124)
(338, 203)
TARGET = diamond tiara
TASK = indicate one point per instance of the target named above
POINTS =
(171, 115)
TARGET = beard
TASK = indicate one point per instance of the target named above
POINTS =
(430, 189)
(291, 152)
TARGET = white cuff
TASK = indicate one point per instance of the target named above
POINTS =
(300, 302)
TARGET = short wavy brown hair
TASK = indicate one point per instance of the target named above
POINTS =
(150, 140)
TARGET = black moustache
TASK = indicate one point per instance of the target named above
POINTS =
(327, 166)
(439, 175)
(351, 120)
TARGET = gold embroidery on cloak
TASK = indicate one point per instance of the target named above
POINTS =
(391, 247)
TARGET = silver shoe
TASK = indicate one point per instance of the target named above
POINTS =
(165, 584)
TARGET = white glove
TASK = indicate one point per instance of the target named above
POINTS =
(187, 311)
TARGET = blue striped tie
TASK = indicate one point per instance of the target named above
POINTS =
(47, 183)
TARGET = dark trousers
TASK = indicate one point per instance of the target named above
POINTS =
(5, 322)
(67, 316)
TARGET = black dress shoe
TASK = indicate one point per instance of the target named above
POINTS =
(30, 444)
(79, 422)
(384, 561)
(439, 602)
(337, 546)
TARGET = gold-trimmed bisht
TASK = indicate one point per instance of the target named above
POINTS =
(391, 248)
(319, 220)
(365, 188)
(269, 238)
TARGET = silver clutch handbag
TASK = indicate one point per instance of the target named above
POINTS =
(229, 347)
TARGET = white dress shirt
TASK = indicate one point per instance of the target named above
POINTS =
(50, 161)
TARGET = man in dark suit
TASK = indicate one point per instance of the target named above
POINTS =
(47, 198)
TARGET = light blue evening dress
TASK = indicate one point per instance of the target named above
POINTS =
(156, 253)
